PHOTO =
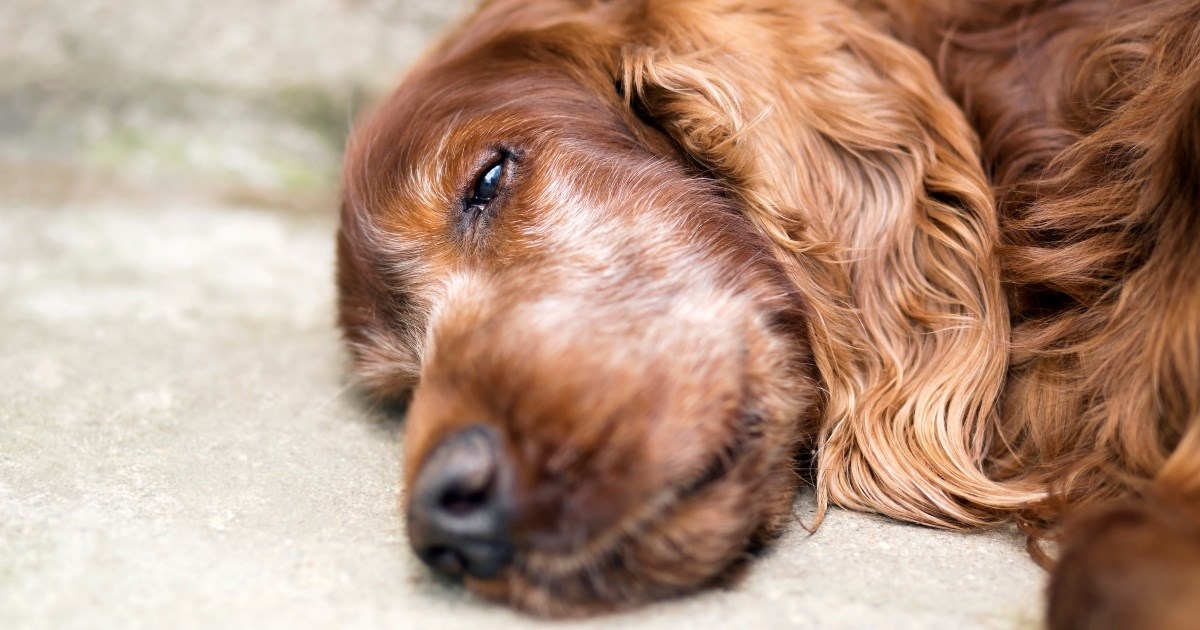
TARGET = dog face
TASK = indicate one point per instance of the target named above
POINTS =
(607, 365)
(606, 247)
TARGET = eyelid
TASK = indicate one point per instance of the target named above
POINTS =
(474, 214)
(500, 157)
(486, 179)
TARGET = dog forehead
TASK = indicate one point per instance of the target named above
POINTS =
(443, 116)
(531, 69)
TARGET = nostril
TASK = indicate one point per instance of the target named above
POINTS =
(461, 475)
(457, 502)
(459, 510)
(445, 559)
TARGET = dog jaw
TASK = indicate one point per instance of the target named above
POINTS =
(649, 456)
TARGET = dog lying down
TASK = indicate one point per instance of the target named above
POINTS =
(646, 266)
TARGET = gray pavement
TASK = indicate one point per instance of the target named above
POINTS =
(177, 444)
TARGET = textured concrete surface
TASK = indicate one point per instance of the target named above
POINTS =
(177, 446)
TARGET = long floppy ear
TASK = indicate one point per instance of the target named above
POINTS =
(845, 151)
(379, 319)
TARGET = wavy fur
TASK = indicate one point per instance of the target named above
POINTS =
(955, 245)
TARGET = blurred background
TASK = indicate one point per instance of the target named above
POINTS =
(178, 444)
(249, 100)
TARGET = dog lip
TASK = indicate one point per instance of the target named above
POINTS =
(445, 560)
(722, 463)
(543, 565)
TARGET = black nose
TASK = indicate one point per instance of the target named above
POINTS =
(460, 504)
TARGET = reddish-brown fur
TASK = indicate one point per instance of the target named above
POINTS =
(736, 234)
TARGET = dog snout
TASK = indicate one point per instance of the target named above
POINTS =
(458, 516)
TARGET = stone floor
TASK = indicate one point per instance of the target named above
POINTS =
(177, 449)
(177, 445)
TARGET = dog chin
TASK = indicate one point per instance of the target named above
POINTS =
(693, 537)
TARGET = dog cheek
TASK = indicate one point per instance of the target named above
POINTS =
(703, 537)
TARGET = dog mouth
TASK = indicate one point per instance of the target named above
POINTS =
(602, 573)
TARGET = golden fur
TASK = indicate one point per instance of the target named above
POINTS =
(735, 232)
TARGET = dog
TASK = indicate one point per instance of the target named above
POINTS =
(641, 268)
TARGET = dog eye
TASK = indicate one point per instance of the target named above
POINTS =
(487, 184)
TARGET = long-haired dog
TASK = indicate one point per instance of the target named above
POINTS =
(645, 266)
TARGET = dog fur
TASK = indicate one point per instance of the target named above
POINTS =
(940, 259)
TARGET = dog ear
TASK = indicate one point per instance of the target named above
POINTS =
(844, 150)
(378, 322)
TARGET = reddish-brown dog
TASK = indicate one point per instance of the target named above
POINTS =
(633, 259)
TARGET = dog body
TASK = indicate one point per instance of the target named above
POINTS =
(632, 258)
(1089, 115)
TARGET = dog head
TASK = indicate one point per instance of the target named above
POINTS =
(611, 247)
(607, 365)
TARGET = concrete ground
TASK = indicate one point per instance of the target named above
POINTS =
(177, 445)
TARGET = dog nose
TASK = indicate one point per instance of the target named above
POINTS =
(460, 504)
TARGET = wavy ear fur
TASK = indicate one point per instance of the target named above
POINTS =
(844, 149)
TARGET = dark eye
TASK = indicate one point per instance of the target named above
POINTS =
(487, 185)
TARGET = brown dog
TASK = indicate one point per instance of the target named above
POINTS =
(632, 258)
